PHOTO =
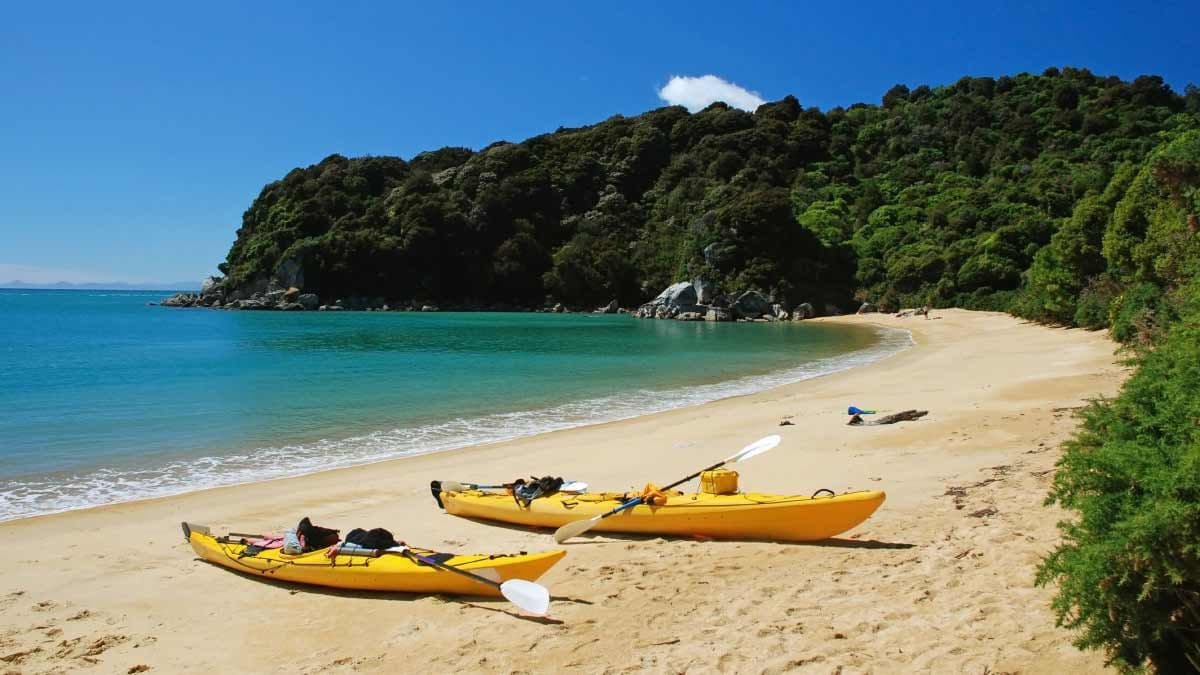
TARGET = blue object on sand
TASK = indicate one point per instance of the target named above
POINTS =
(858, 411)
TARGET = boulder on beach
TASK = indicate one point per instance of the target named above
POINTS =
(752, 304)
(689, 316)
(675, 299)
(802, 311)
(610, 308)
(718, 314)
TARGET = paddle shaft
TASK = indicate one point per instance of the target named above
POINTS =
(638, 500)
(448, 568)
(507, 486)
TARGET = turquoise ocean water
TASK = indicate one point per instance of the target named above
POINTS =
(104, 398)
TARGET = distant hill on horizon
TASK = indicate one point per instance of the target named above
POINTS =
(101, 286)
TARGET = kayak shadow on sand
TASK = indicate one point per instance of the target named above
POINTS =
(400, 596)
(834, 542)
(838, 542)
(544, 620)
(594, 538)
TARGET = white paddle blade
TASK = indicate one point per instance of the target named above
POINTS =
(531, 597)
(574, 529)
(453, 486)
(574, 486)
(756, 448)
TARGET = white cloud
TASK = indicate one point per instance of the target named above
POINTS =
(697, 93)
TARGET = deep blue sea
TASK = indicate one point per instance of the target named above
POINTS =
(105, 398)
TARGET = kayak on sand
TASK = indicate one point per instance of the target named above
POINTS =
(380, 571)
(750, 516)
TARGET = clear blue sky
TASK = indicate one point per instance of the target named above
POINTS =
(133, 137)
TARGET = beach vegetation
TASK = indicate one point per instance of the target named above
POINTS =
(1128, 569)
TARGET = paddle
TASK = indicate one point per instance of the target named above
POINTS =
(574, 529)
(455, 486)
(531, 597)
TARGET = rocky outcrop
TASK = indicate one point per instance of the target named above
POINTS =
(698, 299)
(290, 273)
(674, 300)
(865, 308)
(752, 305)
(610, 308)
(212, 287)
(308, 300)
(802, 311)
(181, 300)
(682, 293)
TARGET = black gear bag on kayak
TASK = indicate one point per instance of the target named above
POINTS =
(316, 537)
(377, 538)
(525, 491)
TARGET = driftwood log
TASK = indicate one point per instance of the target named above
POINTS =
(903, 416)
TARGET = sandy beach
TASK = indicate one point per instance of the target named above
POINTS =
(939, 580)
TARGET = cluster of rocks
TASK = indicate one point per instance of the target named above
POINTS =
(684, 301)
(269, 295)
(698, 301)
(289, 300)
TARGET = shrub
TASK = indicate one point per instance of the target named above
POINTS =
(1136, 314)
(1091, 310)
(1128, 571)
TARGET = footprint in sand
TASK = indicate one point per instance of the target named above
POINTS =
(16, 658)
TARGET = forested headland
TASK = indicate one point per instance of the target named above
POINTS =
(1065, 197)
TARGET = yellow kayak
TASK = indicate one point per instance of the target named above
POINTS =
(389, 572)
(734, 516)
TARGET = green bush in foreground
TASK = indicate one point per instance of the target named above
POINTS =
(1128, 571)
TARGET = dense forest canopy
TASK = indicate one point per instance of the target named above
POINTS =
(944, 195)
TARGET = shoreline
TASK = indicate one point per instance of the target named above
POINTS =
(939, 579)
(891, 340)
